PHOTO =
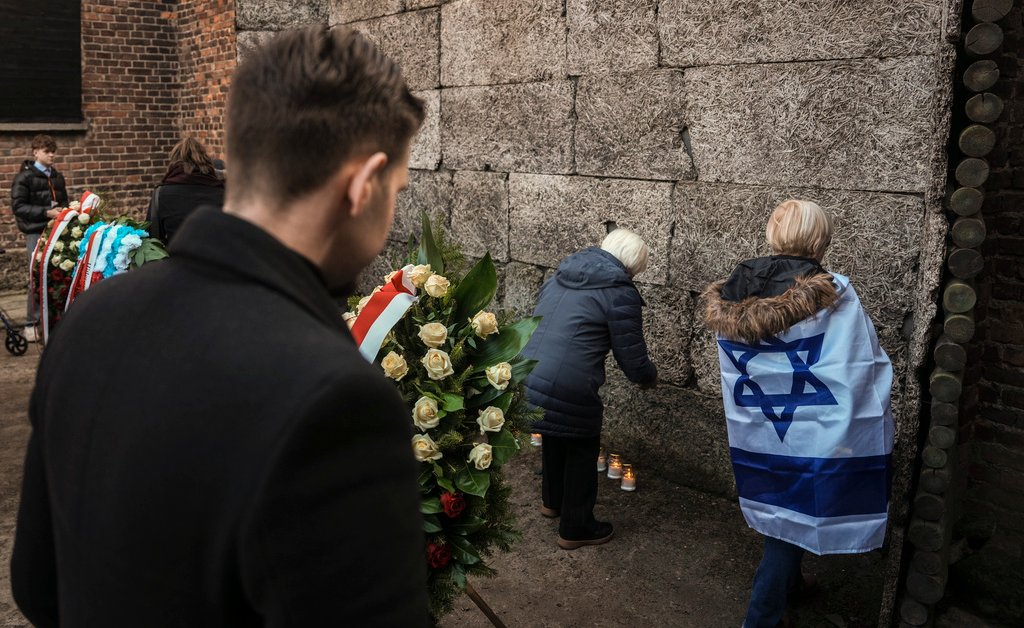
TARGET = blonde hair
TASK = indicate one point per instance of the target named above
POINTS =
(628, 248)
(799, 228)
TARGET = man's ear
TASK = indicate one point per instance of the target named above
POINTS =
(360, 185)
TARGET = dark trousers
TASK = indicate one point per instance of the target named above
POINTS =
(777, 575)
(570, 482)
(32, 307)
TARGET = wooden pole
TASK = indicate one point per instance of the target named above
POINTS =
(984, 107)
(966, 201)
(977, 140)
(482, 605)
(990, 10)
(983, 39)
(981, 75)
(971, 172)
(965, 263)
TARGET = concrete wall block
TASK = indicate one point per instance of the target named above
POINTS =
(551, 217)
(484, 42)
(524, 127)
(522, 282)
(411, 39)
(345, 11)
(630, 125)
(412, 5)
(676, 432)
(667, 330)
(429, 191)
(480, 214)
(862, 124)
(611, 35)
(725, 31)
(248, 41)
(256, 15)
(426, 146)
(391, 258)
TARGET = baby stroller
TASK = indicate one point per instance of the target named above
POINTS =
(14, 341)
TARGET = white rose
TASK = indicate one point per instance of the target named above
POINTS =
(39, 256)
(436, 286)
(394, 366)
(419, 275)
(425, 449)
(362, 303)
(74, 205)
(433, 334)
(481, 456)
(491, 419)
(438, 364)
(56, 260)
(84, 218)
(58, 246)
(75, 244)
(484, 324)
(349, 318)
(424, 414)
(499, 375)
(76, 232)
(67, 265)
(390, 276)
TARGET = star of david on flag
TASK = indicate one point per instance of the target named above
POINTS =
(806, 390)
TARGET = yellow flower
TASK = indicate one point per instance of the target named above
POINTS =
(394, 366)
(484, 324)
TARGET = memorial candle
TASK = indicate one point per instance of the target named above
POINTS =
(628, 478)
(614, 466)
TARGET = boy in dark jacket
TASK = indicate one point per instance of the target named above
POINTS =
(591, 305)
(38, 190)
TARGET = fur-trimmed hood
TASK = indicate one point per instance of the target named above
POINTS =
(755, 318)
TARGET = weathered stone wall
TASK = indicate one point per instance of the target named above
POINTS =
(550, 120)
(687, 122)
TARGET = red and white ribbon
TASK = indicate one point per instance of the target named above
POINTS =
(84, 275)
(60, 224)
(88, 202)
(386, 307)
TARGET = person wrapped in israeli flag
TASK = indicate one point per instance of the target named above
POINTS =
(806, 388)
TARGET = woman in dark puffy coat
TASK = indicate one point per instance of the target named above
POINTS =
(191, 181)
(589, 307)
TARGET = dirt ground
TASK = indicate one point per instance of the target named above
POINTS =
(679, 558)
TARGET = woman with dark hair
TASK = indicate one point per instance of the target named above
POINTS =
(191, 181)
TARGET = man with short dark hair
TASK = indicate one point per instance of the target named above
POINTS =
(38, 190)
(208, 446)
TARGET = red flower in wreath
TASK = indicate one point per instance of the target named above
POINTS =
(57, 275)
(453, 503)
(438, 555)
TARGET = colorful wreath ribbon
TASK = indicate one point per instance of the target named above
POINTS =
(87, 203)
(386, 307)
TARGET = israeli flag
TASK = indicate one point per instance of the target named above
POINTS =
(811, 430)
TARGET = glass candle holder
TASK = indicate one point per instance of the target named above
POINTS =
(614, 466)
(628, 478)
(536, 440)
(602, 461)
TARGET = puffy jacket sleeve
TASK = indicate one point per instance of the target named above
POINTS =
(21, 202)
(625, 327)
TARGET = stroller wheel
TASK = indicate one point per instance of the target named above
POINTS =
(15, 343)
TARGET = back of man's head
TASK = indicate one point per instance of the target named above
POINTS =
(307, 101)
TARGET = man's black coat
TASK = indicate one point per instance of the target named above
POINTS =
(209, 449)
(32, 194)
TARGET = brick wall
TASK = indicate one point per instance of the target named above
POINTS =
(150, 72)
(206, 58)
(992, 426)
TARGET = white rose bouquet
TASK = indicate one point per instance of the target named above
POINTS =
(457, 364)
